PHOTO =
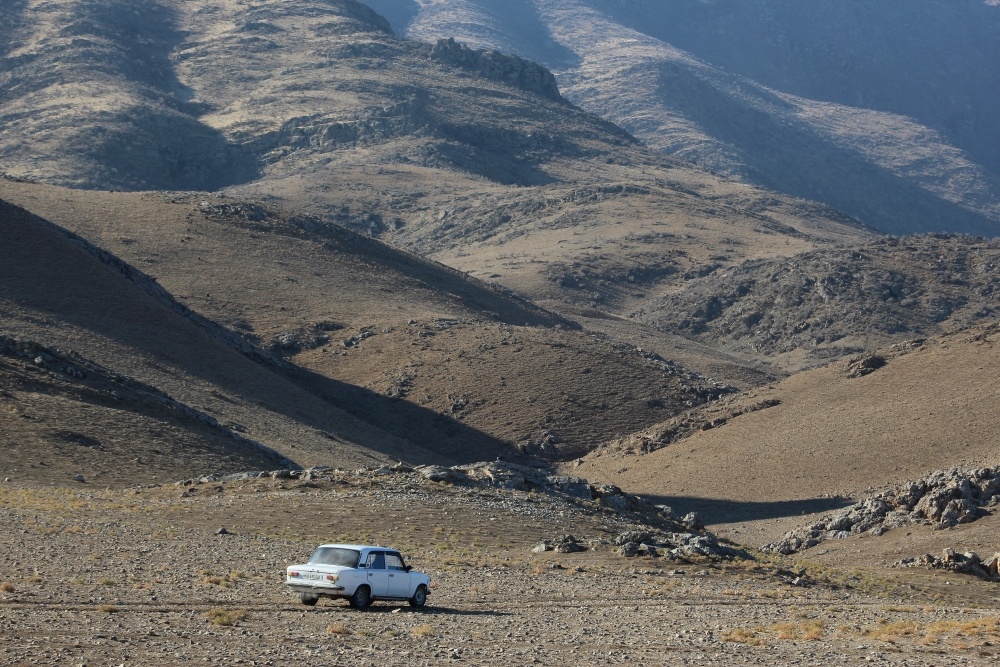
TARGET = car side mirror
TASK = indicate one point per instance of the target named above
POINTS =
(409, 567)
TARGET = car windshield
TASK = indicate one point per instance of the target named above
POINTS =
(335, 556)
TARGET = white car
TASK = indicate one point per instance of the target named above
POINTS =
(360, 573)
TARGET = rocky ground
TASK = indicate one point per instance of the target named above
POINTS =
(142, 576)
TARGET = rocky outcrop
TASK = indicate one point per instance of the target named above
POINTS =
(672, 538)
(968, 562)
(497, 66)
(566, 544)
(943, 500)
(841, 302)
(676, 546)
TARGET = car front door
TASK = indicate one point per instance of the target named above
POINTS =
(399, 578)
(378, 576)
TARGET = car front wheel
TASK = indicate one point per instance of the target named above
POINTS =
(419, 598)
(362, 597)
(309, 599)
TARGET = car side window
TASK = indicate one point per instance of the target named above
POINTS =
(376, 561)
(394, 562)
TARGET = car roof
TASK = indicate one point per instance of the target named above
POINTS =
(357, 547)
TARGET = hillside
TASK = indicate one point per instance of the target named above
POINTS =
(149, 377)
(827, 304)
(470, 157)
(459, 369)
(883, 112)
(798, 446)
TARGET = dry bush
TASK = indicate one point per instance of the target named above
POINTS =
(225, 617)
(806, 630)
(890, 632)
(108, 609)
(7, 587)
(743, 636)
(425, 630)
(338, 629)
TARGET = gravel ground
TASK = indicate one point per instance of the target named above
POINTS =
(140, 577)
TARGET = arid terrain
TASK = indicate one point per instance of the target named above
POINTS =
(275, 268)
(140, 576)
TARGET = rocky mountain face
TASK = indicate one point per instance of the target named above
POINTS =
(884, 111)
(831, 303)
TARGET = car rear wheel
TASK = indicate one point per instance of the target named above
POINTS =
(309, 599)
(362, 597)
(419, 598)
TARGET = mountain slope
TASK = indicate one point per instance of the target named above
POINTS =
(466, 157)
(792, 448)
(457, 369)
(884, 112)
(162, 363)
(833, 303)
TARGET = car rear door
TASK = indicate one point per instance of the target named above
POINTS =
(378, 576)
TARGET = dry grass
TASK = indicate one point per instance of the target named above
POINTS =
(424, 630)
(225, 581)
(7, 587)
(338, 629)
(743, 636)
(805, 631)
(108, 609)
(225, 617)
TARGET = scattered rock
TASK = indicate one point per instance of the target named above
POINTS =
(79, 478)
(864, 365)
(943, 499)
(567, 544)
(222, 531)
(968, 562)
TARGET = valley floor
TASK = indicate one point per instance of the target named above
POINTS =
(140, 577)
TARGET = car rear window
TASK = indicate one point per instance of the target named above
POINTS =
(335, 556)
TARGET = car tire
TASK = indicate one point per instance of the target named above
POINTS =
(419, 598)
(362, 597)
(309, 599)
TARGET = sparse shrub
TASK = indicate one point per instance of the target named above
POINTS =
(225, 617)
(7, 587)
(890, 632)
(425, 630)
(742, 636)
(338, 629)
(108, 609)
(806, 630)
(107, 582)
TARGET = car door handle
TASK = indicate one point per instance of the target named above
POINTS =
(392, 575)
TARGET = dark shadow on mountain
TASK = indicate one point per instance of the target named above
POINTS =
(399, 13)
(450, 439)
(715, 511)
(794, 160)
(500, 154)
(936, 61)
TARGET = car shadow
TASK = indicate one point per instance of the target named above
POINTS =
(423, 611)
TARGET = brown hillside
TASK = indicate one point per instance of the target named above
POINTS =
(466, 157)
(97, 314)
(928, 408)
(415, 348)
